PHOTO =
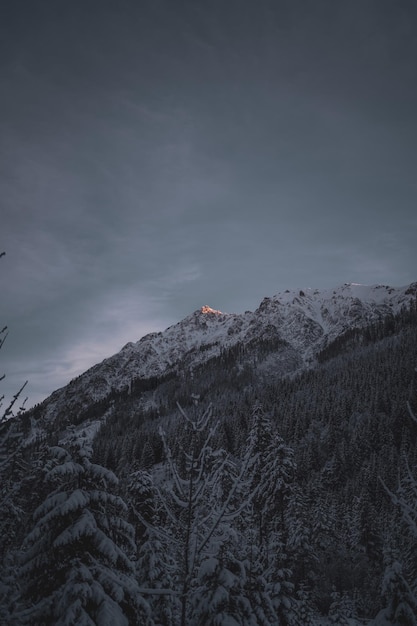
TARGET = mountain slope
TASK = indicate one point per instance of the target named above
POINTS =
(333, 372)
(300, 323)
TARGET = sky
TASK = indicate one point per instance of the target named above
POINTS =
(160, 155)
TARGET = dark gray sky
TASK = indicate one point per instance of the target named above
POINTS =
(160, 155)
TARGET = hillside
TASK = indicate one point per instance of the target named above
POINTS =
(295, 325)
(297, 416)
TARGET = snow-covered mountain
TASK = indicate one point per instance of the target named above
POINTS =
(315, 390)
(300, 322)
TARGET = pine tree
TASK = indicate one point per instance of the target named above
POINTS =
(220, 594)
(302, 607)
(156, 570)
(401, 604)
(75, 567)
(299, 546)
(200, 498)
(220, 597)
(399, 585)
(155, 565)
(272, 467)
(142, 495)
(341, 609)
(259, 584)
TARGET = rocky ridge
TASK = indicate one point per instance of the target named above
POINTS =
(304, 321)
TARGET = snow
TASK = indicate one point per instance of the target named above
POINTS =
(85, 432)
(306, 319)
(66, 470)
(208, 567)
(381, 619)
(84, 526)
(77, 500)
(110, 614)
(324, 621)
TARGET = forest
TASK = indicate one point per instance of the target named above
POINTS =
(229, 495)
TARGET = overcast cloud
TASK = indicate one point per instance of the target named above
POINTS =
(157, 156)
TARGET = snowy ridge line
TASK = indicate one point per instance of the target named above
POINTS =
(306, 320)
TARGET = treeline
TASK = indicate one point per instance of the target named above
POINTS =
(324, 536)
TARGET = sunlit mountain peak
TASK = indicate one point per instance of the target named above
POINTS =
(207, 309)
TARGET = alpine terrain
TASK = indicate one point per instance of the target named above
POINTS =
(250, 469)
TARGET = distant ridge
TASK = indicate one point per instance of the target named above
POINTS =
(303, 320)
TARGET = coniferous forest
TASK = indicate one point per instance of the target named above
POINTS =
(209, 214)
(229, 495)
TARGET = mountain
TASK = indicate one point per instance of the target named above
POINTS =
(296, 423)
(295, 325)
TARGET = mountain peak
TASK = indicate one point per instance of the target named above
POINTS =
(207, 309)
(301, 322)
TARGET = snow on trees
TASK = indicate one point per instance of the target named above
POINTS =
(75, 566)
(156, 570)
(155, 565)
(197, 506)
(241, 573)
(399, 586)
(272, 467)
(192, 510)
(220, 598)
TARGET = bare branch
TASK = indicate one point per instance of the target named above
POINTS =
(8, 412)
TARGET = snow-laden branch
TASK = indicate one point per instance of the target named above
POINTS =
(222, 512)
(200, 423)
(172, 465)
(175, 520)
(157, 530)
(411, 413)
(158, 592)
(408, 510)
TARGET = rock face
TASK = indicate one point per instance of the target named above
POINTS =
(299, 323)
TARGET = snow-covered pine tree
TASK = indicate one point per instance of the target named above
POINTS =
(75, 568)
(303, 614)
(185, 500)
(141, 494)
(341, 609)
(260, 587)
(272, 467)
(155, 565)
(399, 586)
(219, 598)
(191, 508)
(220, 590)
(299, 536)
(21, 491)
(156, 570)
(399, 596)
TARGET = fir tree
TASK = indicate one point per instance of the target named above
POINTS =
(272, 469)
(156, 571)
(341, 609)
(193, 504)
(220, 596)
(75, 567)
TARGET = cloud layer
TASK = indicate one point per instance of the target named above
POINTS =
(157, 156)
